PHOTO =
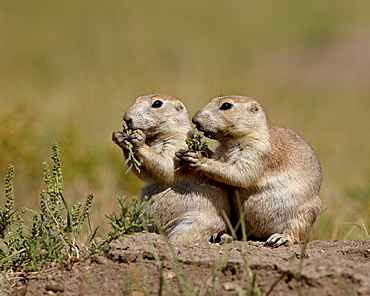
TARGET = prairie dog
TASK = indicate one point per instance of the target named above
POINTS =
(188, 207)
(160, 125)
(274, 173)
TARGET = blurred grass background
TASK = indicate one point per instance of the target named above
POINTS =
(69, 69)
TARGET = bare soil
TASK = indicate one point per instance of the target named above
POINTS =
(144, 263)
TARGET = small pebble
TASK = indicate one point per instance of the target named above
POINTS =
(54, 288)
(229, 286)
(170, 275)
(21, 291)
(101, 260)
(137, 293)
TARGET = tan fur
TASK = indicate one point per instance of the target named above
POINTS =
(187, 206)
(274, 174)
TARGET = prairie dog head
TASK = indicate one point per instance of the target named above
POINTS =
(158, 114)
(231, 117)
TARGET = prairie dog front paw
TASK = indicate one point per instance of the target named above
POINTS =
(120, 138)
(192, 159)
(137, 139)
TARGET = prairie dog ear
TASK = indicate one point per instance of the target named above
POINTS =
(179, 106)
(254, 107)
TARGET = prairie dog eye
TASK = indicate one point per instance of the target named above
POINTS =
(157, 104)
(226, 106)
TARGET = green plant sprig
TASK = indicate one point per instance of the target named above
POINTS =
(131, 161)
(198, 143)
(133, 217)
(7, 215)
(195, 144)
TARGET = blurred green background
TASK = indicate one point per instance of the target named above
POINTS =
(69, 69)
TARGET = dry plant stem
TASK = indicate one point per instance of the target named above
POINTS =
(131, 160)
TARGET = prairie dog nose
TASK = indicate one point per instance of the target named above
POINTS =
(197, 124)
(126, 117)
(195, 118)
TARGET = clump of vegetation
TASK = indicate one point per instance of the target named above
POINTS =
(198, 143)
(133, 217)
(130, 159)
(7, 215)
(12, 248)
(195, 144)
(55, 228)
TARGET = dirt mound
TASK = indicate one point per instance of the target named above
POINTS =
(145, 264)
